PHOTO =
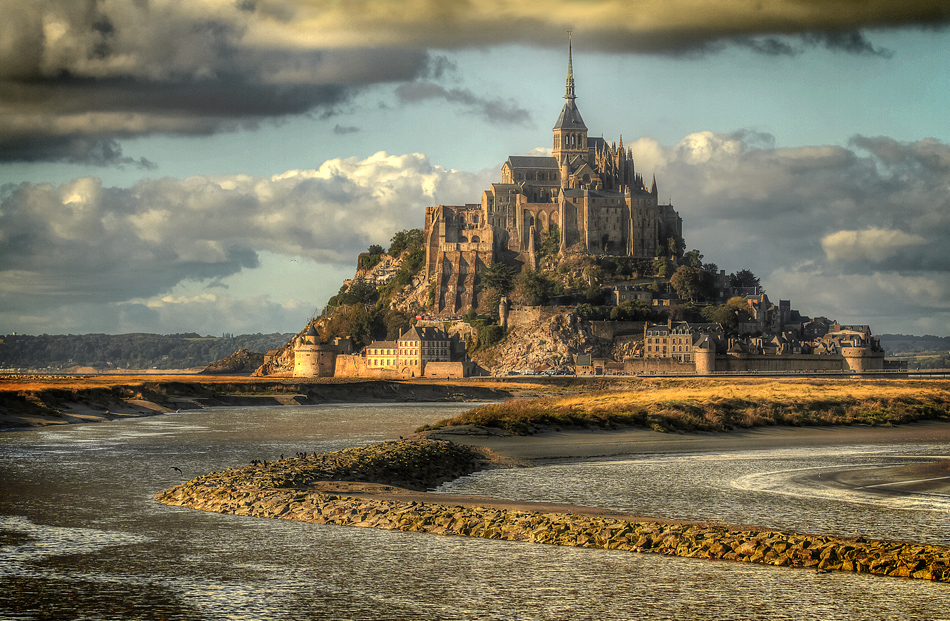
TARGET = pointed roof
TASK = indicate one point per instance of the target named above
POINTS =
(570, 117)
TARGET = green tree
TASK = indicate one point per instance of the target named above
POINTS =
(691, 283)
(368, 261)
(596, 295)
(594, 274)
(361, 292)
(498, 276)
(632, 310)
(676, 245)
(532, 288)
(726, 314)
(693, 258)
(406, 240)
(550, 242)
(396, 323)
(488, 300)
(743, 278)
(662, 267)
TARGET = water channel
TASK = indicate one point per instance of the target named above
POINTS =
(81, 537)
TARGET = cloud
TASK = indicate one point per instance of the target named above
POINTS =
(343, 130)
(842, 231)
(874, 245)
(495, 110)
(78, 76)
(859, 232)
(674, 27)
(83, 243)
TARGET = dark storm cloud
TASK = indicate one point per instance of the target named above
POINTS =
(106, 70)
(851, 42)
(495, 110)
(76, 76)
(673, 27)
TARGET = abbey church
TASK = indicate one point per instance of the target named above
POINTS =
(588, 191)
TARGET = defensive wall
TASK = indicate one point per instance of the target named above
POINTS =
(852, 359)
(612, 329)
(523, 315)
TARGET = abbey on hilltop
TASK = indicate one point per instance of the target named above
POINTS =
(588, 192)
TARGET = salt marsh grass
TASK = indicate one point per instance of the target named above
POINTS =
(722, 405)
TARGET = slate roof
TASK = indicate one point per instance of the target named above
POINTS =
(527, 161)
(570, 117)
(416, 333)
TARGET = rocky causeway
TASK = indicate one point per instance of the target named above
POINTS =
(383, 486)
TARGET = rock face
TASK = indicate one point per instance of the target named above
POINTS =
(241, 361)
(547, 343)
(283, 489)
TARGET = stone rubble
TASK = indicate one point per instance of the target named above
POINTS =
(283, 489)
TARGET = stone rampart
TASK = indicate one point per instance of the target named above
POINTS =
(348, 365)
(780, 363)
(862, 359)
(445, 369)
(649, 366)
(523, 315)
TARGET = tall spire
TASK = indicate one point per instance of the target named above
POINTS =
(569, 93)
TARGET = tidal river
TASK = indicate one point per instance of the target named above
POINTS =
(82, 538)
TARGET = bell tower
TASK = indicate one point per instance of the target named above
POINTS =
(570, 133)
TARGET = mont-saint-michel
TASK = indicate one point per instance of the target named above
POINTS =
(543, 399)
(569, 264)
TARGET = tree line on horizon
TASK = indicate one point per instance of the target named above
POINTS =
(128, 351)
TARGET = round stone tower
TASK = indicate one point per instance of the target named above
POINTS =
(306, 358)
(704, 355)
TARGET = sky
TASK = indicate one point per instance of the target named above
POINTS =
(216, 166)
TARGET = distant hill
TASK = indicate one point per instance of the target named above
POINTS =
(127, 351)
(920, 352)
(896, 344)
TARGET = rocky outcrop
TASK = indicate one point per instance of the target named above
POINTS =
(283, 490)
(411, 464)
(241, 361)
(551, 342)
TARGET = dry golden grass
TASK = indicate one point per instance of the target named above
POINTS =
(34, 383)
(724, 404)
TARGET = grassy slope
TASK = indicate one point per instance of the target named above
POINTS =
(723, 404)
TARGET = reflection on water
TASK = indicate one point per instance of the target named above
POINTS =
(80, 536)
